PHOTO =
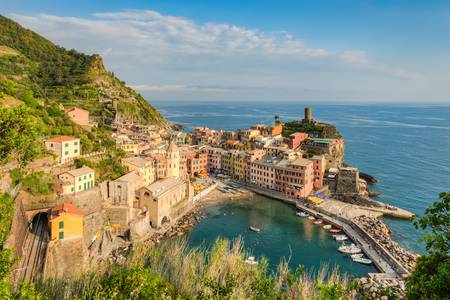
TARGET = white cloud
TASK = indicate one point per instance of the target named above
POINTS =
(164, 54)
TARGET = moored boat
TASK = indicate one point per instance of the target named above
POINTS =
(359, 255)
(254, 229)
(311, 218)
(328, 226)
(302, 214)
(340, 237)
(349, 249)
(251, 260)
(318, 222)
(362, 260)
(335, 230)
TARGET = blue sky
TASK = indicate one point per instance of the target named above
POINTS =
(259, 50)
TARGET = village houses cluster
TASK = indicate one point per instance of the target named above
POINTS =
(162, 164)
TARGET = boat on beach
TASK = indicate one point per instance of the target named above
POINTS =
(335, 230)
(362, 260)
(328, 226)
(255, 229)
(318, 222)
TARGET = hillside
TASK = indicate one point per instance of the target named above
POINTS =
(35, 71)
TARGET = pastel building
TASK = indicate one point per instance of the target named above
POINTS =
(78, 116)
(161, 198)
(77, 180)
(319, 164)
(144, 167)
(196, 163)
(65, 222)
(214, 159)
(66, 147)
(295, 139)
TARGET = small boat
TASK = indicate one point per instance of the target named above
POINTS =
(302, 214)
(254, 229)
(311, 218)
(359, 255)
(362, 260)
(328, 226)
(318, 222)
(340, 237)
(335, 230)
(349, 249)
(251, 260)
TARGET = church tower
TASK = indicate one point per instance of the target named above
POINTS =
(173, 160)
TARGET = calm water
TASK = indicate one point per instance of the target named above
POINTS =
(283, 234)
(406, 148)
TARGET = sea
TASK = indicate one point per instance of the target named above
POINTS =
(406, 147)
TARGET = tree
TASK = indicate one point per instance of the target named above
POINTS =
(430, 278)
(19, 134)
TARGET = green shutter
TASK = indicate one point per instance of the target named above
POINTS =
(61, 224)
(61, 235)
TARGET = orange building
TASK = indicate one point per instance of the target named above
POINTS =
(79, 116)
(65, 221)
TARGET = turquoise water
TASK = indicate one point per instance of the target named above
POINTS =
(405, 147)
(283, 234)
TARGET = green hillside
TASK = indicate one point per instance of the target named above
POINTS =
(35, 71)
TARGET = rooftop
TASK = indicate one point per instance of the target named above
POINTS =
(136, 161)
(64, 208)
(160, 187)
(62, 138)
(80, 171)
(129, 177)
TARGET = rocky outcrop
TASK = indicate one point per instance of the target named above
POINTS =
(382, 288)
(381, 233)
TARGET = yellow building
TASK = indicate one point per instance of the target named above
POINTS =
(130, 147)
(65, 221)
(239, 165)
(144, 167)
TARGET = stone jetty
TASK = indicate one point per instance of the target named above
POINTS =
(381, 233)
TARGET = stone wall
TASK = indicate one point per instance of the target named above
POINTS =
(19, 229)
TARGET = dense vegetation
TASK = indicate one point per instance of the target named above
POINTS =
(431, 276)
(320, 130)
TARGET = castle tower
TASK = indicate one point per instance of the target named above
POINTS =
(173, 160)
(308, 115)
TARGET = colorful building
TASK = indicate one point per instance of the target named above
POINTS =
(65, 222)
(77, 180)
(196, 163)
(130, 147)
(295, 139)
(79, 116)
(66, 147)
(144, 167)
(319, 164)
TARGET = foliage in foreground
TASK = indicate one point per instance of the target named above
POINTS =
(430, 278)
(174, 271)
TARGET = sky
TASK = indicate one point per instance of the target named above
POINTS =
(257, 50)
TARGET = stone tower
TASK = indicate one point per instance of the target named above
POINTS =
(308, 115)
(173, 160)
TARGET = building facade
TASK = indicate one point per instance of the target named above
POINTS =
(65, 222)
(77, 180)
(66, 147)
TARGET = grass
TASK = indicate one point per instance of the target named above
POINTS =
(173, 270)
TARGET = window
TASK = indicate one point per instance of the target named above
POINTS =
(90, 175)
(61, 224)
(75, 151)
(71, 189)
(66, 145)
(84, 177)
(66, 153)
(61, 235)
(75, 143)
(79, 178)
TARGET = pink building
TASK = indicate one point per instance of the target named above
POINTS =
(214, 159)
(78, 116)
(249, 159)
(293, 177)
(196, 163)
(319, 164)
(295, 139)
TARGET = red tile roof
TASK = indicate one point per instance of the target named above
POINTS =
(63, 138)
(64, 208)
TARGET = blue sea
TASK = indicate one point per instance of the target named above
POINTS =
(406, 147)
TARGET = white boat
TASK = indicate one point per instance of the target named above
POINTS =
(340, 237)
(302, 214)
(311, 218)
(251, 260)
(359, 255)
(254, 229)
(328, 226)
(318, 222)
(362, 260)
(349, 249)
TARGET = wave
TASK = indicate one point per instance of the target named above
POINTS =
(397, 124)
